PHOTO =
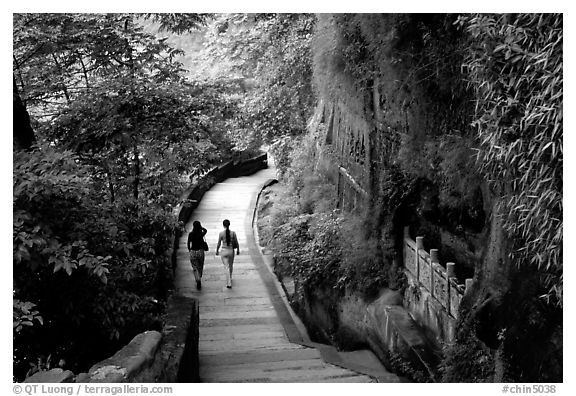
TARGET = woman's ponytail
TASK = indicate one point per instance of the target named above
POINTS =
(226, 224)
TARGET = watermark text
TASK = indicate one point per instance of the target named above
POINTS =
(90, 389)
(526, 389)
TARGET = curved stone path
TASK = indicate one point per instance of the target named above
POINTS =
(245, 331)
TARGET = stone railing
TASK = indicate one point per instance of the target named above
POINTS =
(426, 272)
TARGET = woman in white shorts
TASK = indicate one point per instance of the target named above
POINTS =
(228, 241)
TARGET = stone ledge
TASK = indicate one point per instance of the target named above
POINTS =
(391, 328)
(179, 349)
(128, 362)
(56, 375)
(438, 325)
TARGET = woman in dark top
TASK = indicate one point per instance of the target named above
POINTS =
(196, 249)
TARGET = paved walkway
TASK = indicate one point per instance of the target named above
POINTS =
(245, 331)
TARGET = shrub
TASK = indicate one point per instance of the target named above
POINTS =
(85, 272)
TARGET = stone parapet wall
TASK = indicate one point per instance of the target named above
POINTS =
(391, 330)
(170, 356)
(383, 324)
(192, 196)
(194, 193)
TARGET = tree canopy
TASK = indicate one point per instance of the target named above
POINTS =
(109, 126)
(116, 131)
(455, 122)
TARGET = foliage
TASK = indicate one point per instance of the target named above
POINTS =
(468, 359)
(515, 66)
(119, 130)
(150, 138)
(48, 192)
(270, 56)
(128, 111)
(89, 272)
(462, 112)
(58, 56)
(428, 71)
(24, 314)
(179, 23)
(315, 256)
(365, 266)
(405, 368)
(317, 243)
(401, 73)
(280, 151)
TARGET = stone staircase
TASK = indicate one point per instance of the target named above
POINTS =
(248, 333)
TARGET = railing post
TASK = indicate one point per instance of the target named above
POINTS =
(450, 270)
(469, 282)
(406, 236)
(419, 246)
(450, 273)
(433, 260)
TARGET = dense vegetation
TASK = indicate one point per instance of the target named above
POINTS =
(112, 118)
(464, 114)
(111, 134)
(320, 245)
(269, 56)
(465, 118)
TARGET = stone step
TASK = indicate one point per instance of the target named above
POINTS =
(242, 329)
(241, 288)
(235, 308)
(226, 347)
(304, 374)
(268, 313)
(343, 379)
(249, 357)
(238, 321)
(271, 366)
(218, 336)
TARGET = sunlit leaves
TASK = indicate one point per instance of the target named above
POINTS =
(179, 23)
(48, 183)
(60, 56)
(270, 53)
(121, 102)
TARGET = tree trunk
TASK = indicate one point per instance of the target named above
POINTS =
(22, 132)
(136, 183)
(63, 86)
(111, 187)
(84, 70)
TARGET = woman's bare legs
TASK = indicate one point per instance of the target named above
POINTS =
(227, 256)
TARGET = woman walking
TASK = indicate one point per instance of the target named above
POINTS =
(196, 247)
(228, 240)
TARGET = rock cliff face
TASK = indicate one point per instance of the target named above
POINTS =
(393, 129)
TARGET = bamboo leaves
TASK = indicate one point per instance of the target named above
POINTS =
(521, 67)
